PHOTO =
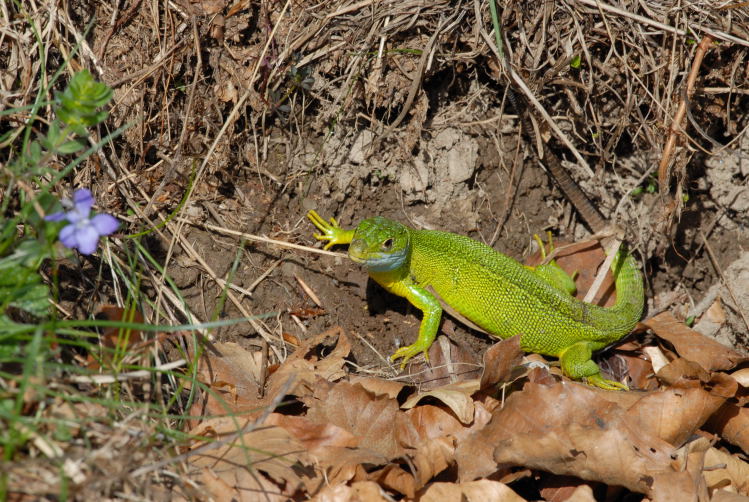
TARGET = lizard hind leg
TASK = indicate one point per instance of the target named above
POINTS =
(576, 363)
(551, 272)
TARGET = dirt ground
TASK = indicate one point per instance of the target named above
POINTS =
(262, 111)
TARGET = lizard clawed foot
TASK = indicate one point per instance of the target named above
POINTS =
(331, 230)
(604, 383)
(408, 352)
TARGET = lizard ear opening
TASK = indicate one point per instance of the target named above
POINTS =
(387, 244)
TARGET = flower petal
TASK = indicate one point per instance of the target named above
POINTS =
(87, 237)
(83, 200)
(105, 224)
(58, 216)
(68, 237)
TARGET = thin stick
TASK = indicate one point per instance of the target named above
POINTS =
(259, 238)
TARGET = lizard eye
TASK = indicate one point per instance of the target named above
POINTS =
(387, 244)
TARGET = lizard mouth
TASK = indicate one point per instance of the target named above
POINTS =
(356, 258)
(376, 262)
(357, 251)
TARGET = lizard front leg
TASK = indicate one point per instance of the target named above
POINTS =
(425, 301)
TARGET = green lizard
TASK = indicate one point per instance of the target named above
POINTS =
(493, 291)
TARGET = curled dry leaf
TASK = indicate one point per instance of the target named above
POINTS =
(360, 491)
(448, 363)
(320, 357)
(232, 374)
(568, 429)
(333, 449)
(731, 422)
(432, 422)
(500, 362)
(725, 471)
(391, 477)
(471, 491)
(692, 345)
(741, 376)
(376, 421)
(456, 396)
(378, 386)
(432, 457)
(263, 459)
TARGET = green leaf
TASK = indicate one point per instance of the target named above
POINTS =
(77, 104)
(9, 329)
(28, 254)
(22, 288)
(71, 146)
(53, 137)
(576, 62)
(9, 343)
(21, 285)
(35, 153)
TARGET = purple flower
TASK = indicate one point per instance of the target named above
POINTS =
(83, 232)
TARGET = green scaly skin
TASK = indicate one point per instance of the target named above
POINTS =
(492, 290)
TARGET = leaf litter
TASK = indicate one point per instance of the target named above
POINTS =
(336, 435)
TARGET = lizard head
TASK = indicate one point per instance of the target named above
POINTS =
(382, 245)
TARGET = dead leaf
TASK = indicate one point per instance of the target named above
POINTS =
(456, 396)
(314, 436)
(500, 362)
(731, 422)
(725, 471)
(378, 386)
(674, 415)
(566, 489)
(320, 357)
(682, 373)
(726, 496)
(569, 430)
(333, 448)
(360, 491)
(685, 482)
(232, 374)
(395, 479)
(115, 339)
(376, 421)
(691, 345)
(639, 368)
(432, 422)
(471, 491)
(448, 363)
(741, 376)
(265, 458)
(432, 457)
